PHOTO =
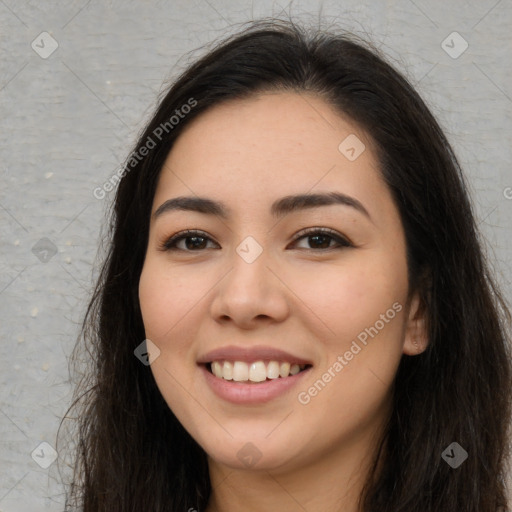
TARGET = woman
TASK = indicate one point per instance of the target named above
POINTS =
(295, 313)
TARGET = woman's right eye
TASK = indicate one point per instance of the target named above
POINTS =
(193, 241)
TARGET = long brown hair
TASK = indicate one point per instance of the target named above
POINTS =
(132, 453)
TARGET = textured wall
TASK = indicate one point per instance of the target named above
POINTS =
(69, 118)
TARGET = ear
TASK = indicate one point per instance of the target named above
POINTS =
(416, 330)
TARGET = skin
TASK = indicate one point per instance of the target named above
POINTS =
(298, 296)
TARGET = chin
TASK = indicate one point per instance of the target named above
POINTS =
(257, 454)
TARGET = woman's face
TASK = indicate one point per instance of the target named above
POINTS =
(254, 294)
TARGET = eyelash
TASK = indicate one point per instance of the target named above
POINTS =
(170, 243)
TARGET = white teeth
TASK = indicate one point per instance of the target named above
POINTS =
(273, 370)
(294, 369)
(227, 371)
(257, 371)
(216, 369)
(240, 371)
(284, 369)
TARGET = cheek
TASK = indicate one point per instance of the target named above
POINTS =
(363, 306)
(168, 301)
(351, 296)
(166, 296)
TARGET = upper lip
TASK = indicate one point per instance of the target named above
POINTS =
(250, 354)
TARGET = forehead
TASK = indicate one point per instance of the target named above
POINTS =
(257, 149)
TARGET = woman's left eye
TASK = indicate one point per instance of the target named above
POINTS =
(322, 238)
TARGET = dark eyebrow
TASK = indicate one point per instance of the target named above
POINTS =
(289, 204)
(279, 208)
(193, 204)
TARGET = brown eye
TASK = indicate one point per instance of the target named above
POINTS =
(194, 241)
(322, 239)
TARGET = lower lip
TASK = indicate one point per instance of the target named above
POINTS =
(251, 393)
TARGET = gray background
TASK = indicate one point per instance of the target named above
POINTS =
(69, 120)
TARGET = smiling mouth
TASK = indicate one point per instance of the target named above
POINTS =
(255, 372)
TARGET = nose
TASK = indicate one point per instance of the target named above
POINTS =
(250, 294)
